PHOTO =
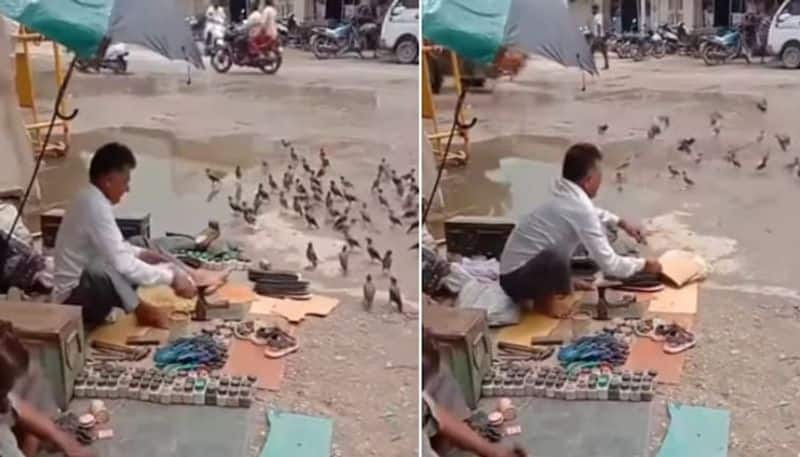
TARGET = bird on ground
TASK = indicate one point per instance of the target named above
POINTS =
(235, 207)
(731, 158)
(311, 256)
(685, 145)
(653, 131)
(262, 192)
(352, 242)
(282, 199)
(664, 119)
(715, 118)
(602, 129)
(365, 216)
(410, 213)
(285, 143)
(372, 252)
(793, 164)
(293, 155)
(271, 181)
(382, 168)
(323, 158)
(687, 180)
(386, 262)
(306, 167)
(238, 172)
(411, 176)
(410, 201)
(763, 164)
(698, 158)
(321, 172)
(381, 199)
(400, 189)
(783, 141)
(414, 225)
(375, 185)
(296, 206)
(344, 255)
(312, 223)
(395, 179)
(329, 200)
(625, 164)
(369, 293)
(299, 188)
(335, 190)
(237, 192)
(394, 220)
(762, 105)
(345, 183)
(672, 171)
(257, 202)
(264, 167)
(394, 294)
(215, 176)
(414, 246)
(760, 137)
(350, 197)
(249, 216)
(341, 223)
(716, 130)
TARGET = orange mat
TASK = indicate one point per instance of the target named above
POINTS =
(245, 358)
(649, 355)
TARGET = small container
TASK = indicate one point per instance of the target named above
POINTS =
(233, 398)
(199, 395)
(549, 389)
(165, 398)
(133, 390)
(570, 392)
(80, 388)
(222, 396)
(636, 393)
(486, 389)
(614, 390)
(538, 388)
(211, 396)
(647, 393)
(581, 392)
(187, 398)
(624, 391)
(591, 390)
(602, 392)
(245, 398)
(144, 392)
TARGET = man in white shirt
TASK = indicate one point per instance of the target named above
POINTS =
(94, 267)
(599, 35)
(535, 263)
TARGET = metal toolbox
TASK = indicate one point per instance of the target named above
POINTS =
(130, 226)
(462, 336)
(471, 236)
(53, 334)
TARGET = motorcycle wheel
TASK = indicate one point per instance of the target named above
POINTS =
(637, 53)
(712, 55)
(659, 50)
(272, 65)
(119, 67)
(320, 48)
(222, 60)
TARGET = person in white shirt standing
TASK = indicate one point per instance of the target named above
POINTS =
(599, 35)
(94, 267)
(536, 260)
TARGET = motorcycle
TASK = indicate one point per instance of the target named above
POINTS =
(116, 60)
(214, 34)
(676, 38)
(717, 50)
(338, 41)
(235, 49)
(293, 34)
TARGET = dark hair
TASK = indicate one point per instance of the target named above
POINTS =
(110, 158)
(579, 160)
(14, 361)
(430, 356)
(595, 7)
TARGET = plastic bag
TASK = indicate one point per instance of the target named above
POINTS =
(473, 29)
(500, 309)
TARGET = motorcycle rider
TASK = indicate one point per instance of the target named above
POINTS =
(598, 35)
(262, 27)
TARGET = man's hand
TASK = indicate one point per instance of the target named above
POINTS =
(183, 285)
(652, 266)
(152, 257)
(633, 230)
(505, 451)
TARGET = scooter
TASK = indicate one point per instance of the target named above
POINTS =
(214, 34)
(717, 50)
(343, 39)
(116, 60)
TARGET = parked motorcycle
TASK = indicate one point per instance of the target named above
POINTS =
(676, 38)
(292, 33)
(341, 40)
(214, 35)
(235, 49)
(717, 50)
(116, 60)
(197, 24)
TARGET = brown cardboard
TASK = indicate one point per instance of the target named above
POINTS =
(294, 310)
(680, 267)
(675, 301)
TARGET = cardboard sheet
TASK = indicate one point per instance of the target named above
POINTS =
(294, 310)
(681, 267)
(695, 430)
(126, 326)
(530, 325)
(245, 358)
(675, 301)
(297, 435)
(649, 355)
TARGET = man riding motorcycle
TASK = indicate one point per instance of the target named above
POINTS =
(262, 28)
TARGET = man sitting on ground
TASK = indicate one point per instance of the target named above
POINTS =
(535, 263)
(94, 267)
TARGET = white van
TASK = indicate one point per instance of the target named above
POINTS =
(784, 34)
(400, 30)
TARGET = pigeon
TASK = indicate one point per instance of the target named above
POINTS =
(215, 176)
(373, 253)
(763, 164)
(285, 143)
(685, 145)
(653, 132)
(312, 223)
(369, 293)
(238, 172)
(783, 141)
(686, 180)
(386, 262)
(345, 183)
(602, 129)
(664, 120)
(672, 171)
(762, 105)
(393, 220)
(625, 164)
(272, 184)
(394, 294)
(311, 256)
(235, 207)
(343, 258)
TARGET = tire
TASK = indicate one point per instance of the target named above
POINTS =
(659, 50)
(790, 57)
(222, 60)
(407, 50)
(318, 47)
(273, 66)
(637, 53)
(710, 55)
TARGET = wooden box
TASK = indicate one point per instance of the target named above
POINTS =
(130, 226)
(463, 339)
(53, 334)
(471, 236)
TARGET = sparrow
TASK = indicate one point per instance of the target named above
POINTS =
(394, 294)
(760, 137)
(364, 216)
(410, 213)
(395, 178)
(602, 129)
(312, 223)
(794, 164)
(686, 180)
(762, 105)
(381, 199)
(373, 253)
(715, 117)
(335, 190)
(393, 220)
(292, 155)
(411, 176)
(323, 158)
(257, 202)
(264, 167)
(311, 256)
(215, 176)
(272, 184)
(763, 164)
(283, 201)
(375, 185)
(249, 216)
(412, 226)
(386, 262)
(321, 172)
(352, 242)
(672, 171)
(343, 258)
(262, 192)
(783, 141)
(296, 206)
(685, 145)
(235, 207)
(306, 167)
(369, 293)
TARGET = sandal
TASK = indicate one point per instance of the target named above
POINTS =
(679, 340)
(660, 331)
(644, 328)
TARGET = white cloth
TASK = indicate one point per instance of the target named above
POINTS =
(597, 25)
(269, 20)
(569, 219)
(485, 270)
(89, 232)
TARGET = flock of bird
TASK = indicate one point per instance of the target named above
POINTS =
(685, 145)
(335, 205)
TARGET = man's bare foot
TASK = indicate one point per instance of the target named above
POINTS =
(582, 284)
(152, 316)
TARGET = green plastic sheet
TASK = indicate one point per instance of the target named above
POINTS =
(78, 25)
(296, 435)
(696, 431)
(473, 29)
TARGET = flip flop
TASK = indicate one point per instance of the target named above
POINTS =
(679, 340)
